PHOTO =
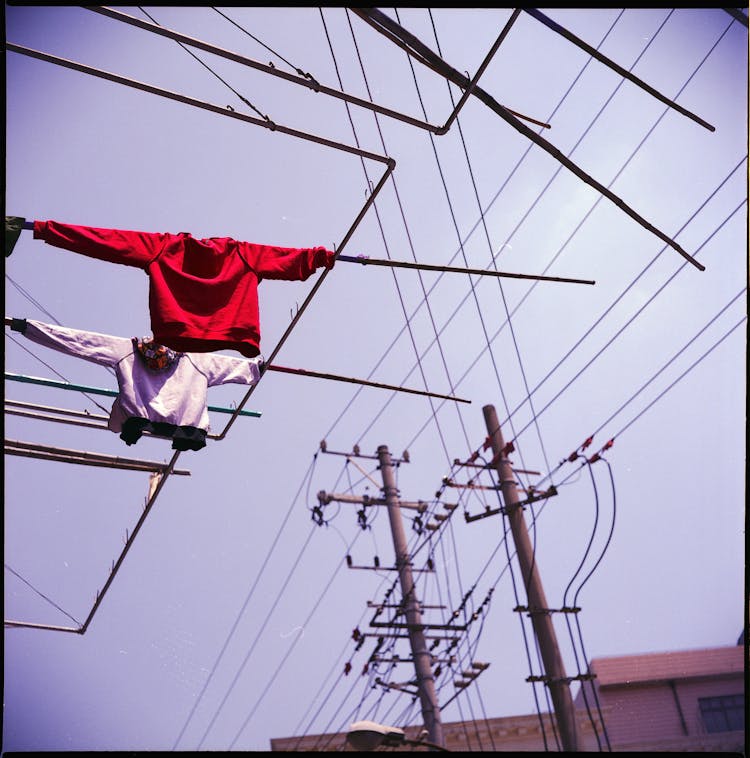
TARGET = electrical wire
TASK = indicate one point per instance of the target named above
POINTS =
(640, 310)
(382, 232)
(209, 69)
(243, 608)
(492, 258)
(41, 594)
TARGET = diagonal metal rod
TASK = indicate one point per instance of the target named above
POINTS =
(365, 382)
(421, 52)
(101, 391)
(364, 260)
(738, 14)
(221, 110)
(594, 53)
(472, 84)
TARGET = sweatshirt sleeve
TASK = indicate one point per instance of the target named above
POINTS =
(290, 263)
(97, 348)
(114, 245)
(224, 369)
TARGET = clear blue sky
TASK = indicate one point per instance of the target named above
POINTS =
(230, 620)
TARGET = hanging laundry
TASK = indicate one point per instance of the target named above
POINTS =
(203, 293)
(161, 391)
(13, 227)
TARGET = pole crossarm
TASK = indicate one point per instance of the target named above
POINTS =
(325, 498)
(397, 636)
(551, 492)
(421, 52)
(418, 627)
(366, 261)
(357, 454)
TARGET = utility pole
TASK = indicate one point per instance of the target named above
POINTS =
(420, 653)
(541, 619)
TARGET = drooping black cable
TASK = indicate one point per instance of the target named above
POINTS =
(574, 610)
(42, 595)
(208, 68)
(273, 52)
(580, 587)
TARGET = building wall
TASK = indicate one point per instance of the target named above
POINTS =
(636, 700)
(653, 700)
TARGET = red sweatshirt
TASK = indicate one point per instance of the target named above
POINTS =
(203, 294)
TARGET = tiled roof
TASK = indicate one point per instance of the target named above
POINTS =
(675, 665)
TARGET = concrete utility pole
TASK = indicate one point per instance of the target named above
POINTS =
(538, 610)
(420, 653)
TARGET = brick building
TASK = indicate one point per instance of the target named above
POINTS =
(684, 701)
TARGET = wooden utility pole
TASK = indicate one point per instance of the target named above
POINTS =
(558, 683)
(420, 653)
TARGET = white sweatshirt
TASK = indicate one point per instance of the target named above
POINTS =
(175, 397)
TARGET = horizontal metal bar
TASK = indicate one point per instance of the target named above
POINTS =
(325, 497)
(74, 421)
(365, 261)
(371, 604)
(28, 624)
(450, 483)
(51, 409)
(357, 454)
(398, 625)
(551, 492)
(15, 447)
(468, 464)
(387, 636)
(100, 391)
(57, 419)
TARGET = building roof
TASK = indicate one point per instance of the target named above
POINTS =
(684, 664)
